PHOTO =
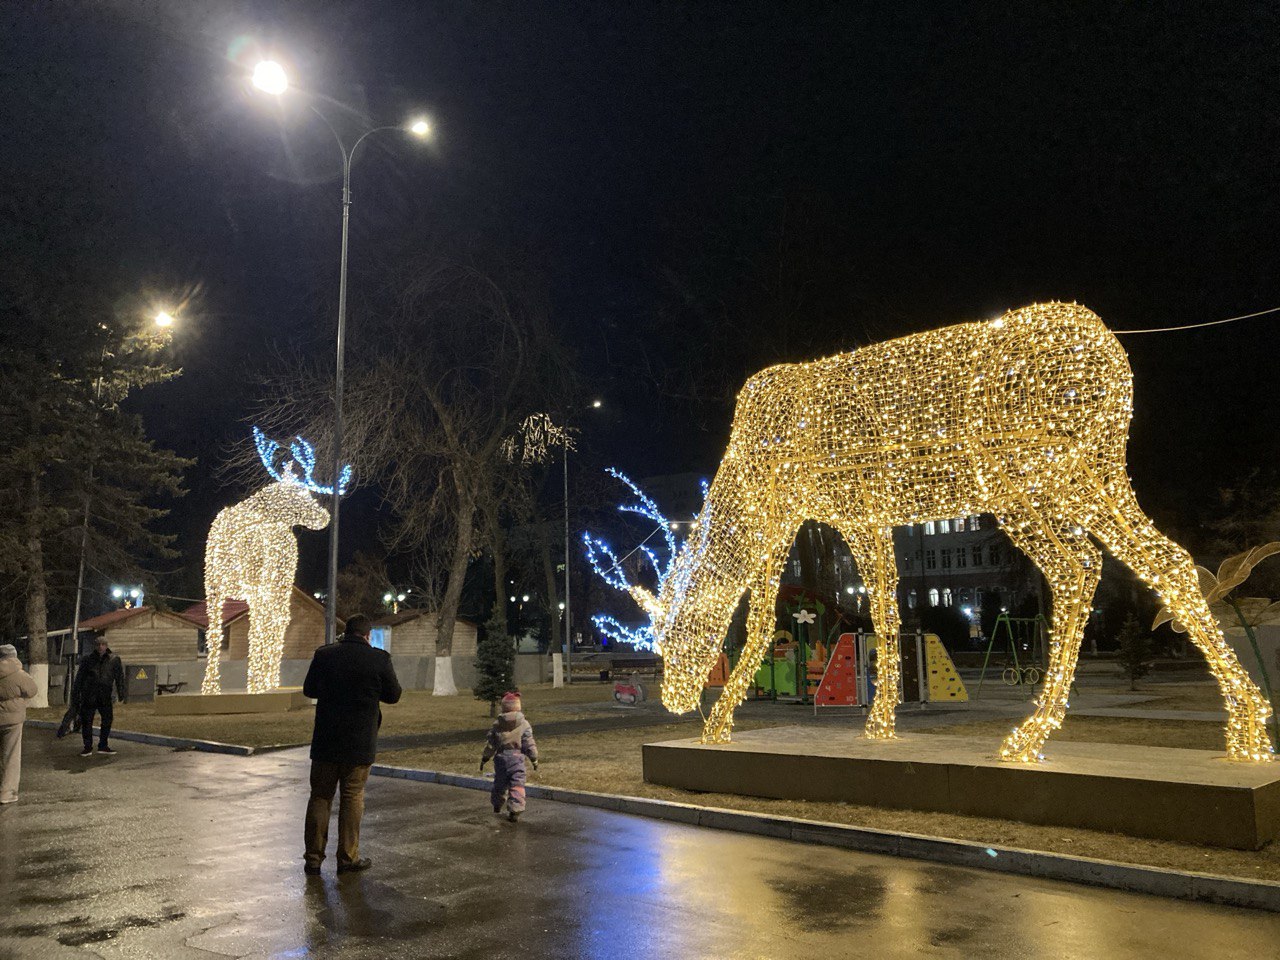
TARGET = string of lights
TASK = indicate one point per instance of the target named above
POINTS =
(1025, 417)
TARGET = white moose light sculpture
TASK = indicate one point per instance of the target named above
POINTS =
(252, 555)
(1025, 417)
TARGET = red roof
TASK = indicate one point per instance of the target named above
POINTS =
(199, 613)
(112, 618)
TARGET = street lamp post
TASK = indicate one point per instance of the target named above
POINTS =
(568, 607)
(270, 78)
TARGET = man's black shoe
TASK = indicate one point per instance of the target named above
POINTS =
(311, 870)
(106, 750)
(87, 752)
(364, 863)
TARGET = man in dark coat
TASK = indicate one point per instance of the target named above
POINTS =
(100, 674)
(348, 679)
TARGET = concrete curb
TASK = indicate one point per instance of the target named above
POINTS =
(158, 740)
(1258, 895)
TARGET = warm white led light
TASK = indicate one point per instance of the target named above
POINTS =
(1025, 417)
(252, 555)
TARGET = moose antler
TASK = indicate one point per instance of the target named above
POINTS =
(304, 455)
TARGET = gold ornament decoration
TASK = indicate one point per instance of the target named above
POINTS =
(1025, 417)
(252, 555)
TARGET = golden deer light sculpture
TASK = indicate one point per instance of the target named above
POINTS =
(1025, 417)
(252, 555)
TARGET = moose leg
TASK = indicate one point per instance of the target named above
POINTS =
(1168, 569)
(212, 682)
(268, 621)
(761, 622)
(1073, 566)
(873, 553)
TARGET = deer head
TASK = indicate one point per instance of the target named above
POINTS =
(289, 500)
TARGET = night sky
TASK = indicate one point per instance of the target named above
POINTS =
(705, 188)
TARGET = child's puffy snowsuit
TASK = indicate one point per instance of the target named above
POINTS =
(510, 741)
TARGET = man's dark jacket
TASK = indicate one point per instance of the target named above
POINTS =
(348, 679)
(97, 675)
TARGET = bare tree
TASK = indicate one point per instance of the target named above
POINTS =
(435, 383)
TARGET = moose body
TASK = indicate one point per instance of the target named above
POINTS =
(252, 555)
(1025, 417)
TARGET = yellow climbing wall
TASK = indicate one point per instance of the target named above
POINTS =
(944, 681)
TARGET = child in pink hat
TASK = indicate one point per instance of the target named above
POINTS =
(510, 740)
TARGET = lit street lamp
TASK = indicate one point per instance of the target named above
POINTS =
(270, 77)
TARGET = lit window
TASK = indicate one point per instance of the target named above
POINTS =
(929, 528)
(933, 596)
(946, 596)
(960, 525)
(911, 600)
(380, 637)
(944, 526)
(975, 523)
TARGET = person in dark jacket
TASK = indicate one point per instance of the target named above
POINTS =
(100, 674)
(348, 680)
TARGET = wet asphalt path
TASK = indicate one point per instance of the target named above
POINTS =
(191, 856)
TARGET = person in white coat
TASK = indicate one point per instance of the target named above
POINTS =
(16, 688)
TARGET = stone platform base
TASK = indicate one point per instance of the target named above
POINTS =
(1192, 796)
(280, 700)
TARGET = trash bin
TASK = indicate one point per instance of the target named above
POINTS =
(140, 681)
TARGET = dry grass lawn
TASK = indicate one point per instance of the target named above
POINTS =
(1189, 734)
(609, 762)
(417, 712)
(1181, 696)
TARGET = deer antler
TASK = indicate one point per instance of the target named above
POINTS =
(304, 455)
(267, 452)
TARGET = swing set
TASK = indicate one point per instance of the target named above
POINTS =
(1030, 635)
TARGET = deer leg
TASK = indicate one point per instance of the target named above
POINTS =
(761, 622)
(1073, 566)
(212, 682)
(1168, 569)
(873, 553)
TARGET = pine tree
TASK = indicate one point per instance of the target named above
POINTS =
(495, 664)
(1135, 650)
(67, 446)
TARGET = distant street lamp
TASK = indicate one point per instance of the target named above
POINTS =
(536, 436)
(270, 77)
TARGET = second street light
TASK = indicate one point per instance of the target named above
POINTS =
(271, 78)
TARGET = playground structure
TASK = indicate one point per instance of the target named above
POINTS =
(844, 673)
(1028, 634)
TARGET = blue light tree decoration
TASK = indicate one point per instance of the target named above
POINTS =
(608, 566)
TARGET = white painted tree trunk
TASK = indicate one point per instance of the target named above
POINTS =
(444, 685)
(40, 674)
